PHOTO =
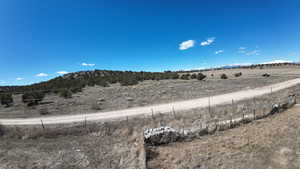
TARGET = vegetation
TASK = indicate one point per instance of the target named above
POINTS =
(201, 76)
(76, 81)
(185, 76)
(6, 99)
(65, 93)
(33, 98)
(266, 75)
(194, 76)
(238, 74)
(224, 76)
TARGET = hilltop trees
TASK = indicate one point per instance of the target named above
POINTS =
(6, 99)
(76, 81)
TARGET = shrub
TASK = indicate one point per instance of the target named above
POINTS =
(44, 111)
(224, 76)
(238, 74)
(33, 98)
(193, 76)
(185, 77)
(6, 99)
(266, 75)
(65, 93)
(129, 81)
(201, 76)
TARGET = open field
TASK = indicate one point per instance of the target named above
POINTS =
(119, 144)
(116, 97)
(269, 143)
(161, 108)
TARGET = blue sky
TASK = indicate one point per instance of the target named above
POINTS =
(40, 38)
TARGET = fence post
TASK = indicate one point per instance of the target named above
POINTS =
(173, 110)
(42, 124)
(152, 114)
(85, 122)
(209, 109)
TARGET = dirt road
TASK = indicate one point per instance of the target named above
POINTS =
(161, 108)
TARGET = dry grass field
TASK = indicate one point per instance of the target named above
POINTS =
(115, 97)
(271, 143)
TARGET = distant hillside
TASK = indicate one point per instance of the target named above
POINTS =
(237, 66)
(76, 81)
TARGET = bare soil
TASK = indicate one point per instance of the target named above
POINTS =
(116, 97)
(271, 143)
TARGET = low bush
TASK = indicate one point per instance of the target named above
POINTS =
(65, 93)
(224, 76)
(33, 98)
(266, 75)
(185, 77)
(6, 99)
(44, 111)
(238, 74)
(193, 76)
(201, 76)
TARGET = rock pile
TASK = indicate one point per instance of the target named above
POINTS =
(162, 135)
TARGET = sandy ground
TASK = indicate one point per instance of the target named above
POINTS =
(271, 143)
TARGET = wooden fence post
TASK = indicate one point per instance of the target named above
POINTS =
(42, 124)
(174, 114)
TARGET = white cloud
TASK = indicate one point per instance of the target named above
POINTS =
(277, 61)
(186, 44)
(42, 75)
(87, 64)
(219, 51)
(19, 78)
(242, 50)
(237, 64)
(2, 82)
(208, 41)
(254, 52)
(62, 72)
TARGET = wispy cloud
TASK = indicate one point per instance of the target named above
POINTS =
(19, 78)
(254, 52)
(62, 72)
(41, 75)
(186, 44)
(219, 51)
(208, 41)
(88, 64)
(242, 50)
(2, 82)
